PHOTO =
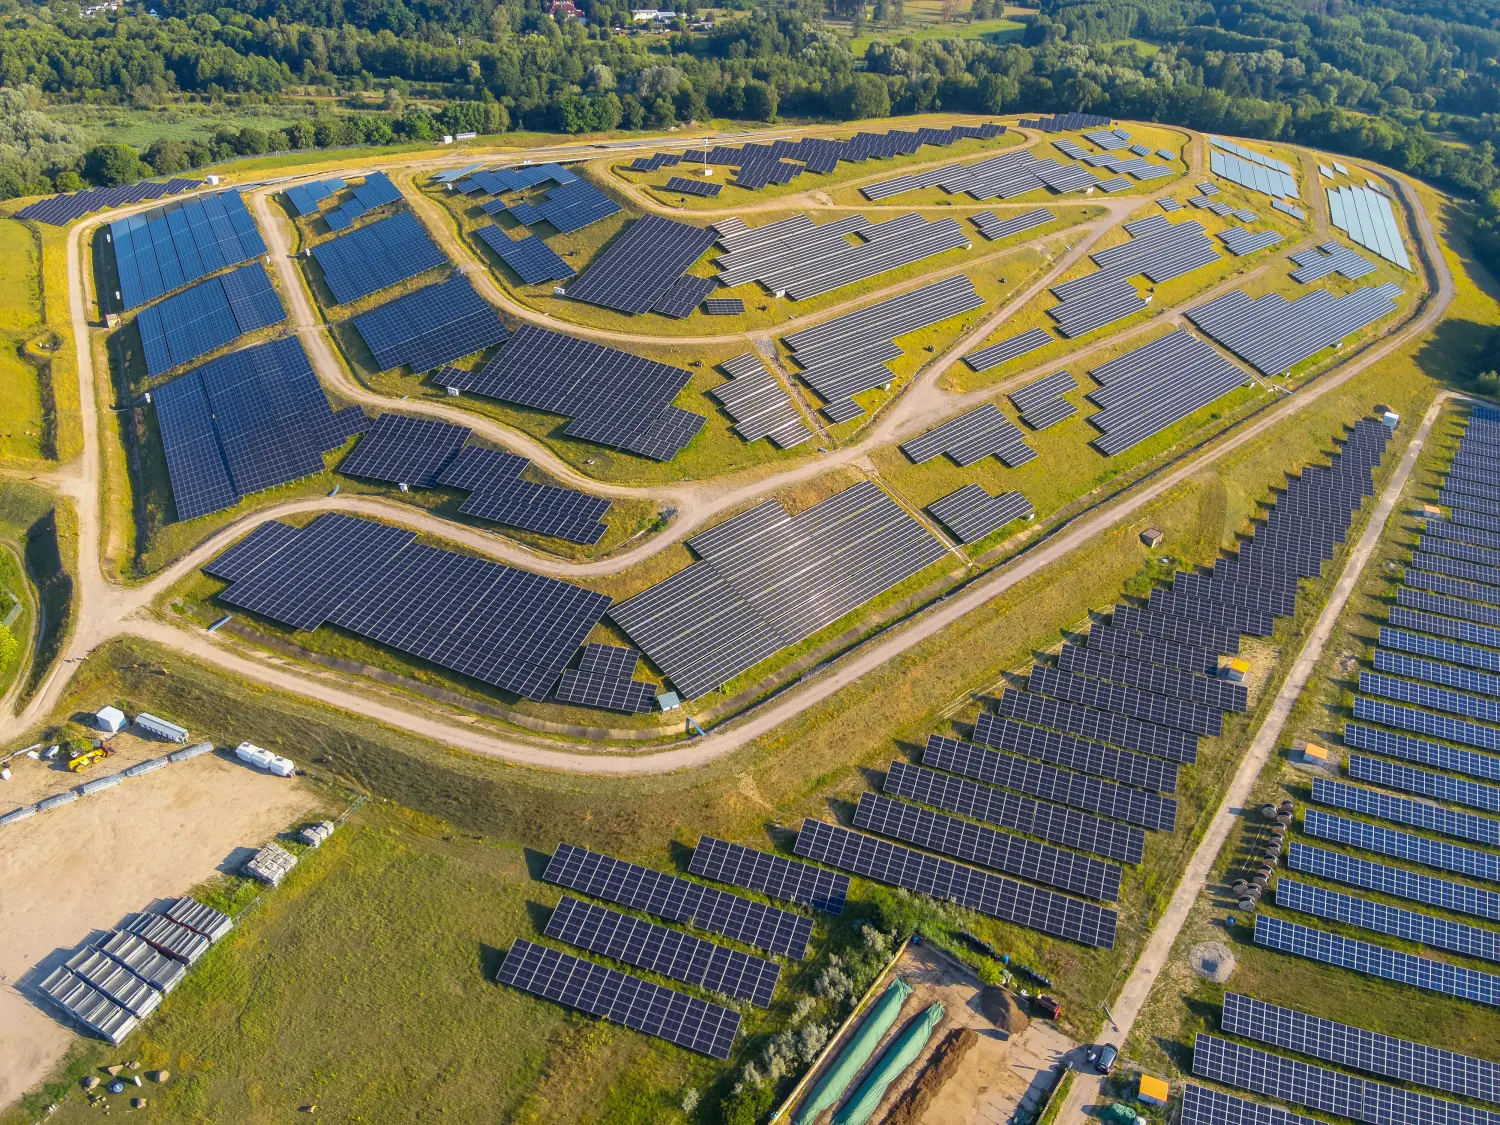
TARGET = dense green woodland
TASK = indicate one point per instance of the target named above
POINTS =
(1411, 83)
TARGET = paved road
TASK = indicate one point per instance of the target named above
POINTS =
(107, 609)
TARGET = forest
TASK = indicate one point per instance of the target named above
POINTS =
(1411, 83)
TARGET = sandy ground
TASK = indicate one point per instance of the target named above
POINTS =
(81, 868)
(999, 1074)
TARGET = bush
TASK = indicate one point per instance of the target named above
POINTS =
(110, 165)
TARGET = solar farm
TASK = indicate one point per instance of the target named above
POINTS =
(971, 485)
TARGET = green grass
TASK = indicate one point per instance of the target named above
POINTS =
(25, 416)
(43, 536)
(991, 31)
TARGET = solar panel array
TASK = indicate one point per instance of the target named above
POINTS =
(758, 403)
(724, 306)
(680, 900)
(1064, 122)
(1041, 401)
(614, 398)
(206, 317)
(1145, 770)
(672, 953)
(569, 206)
(972, 514)
(402, 450)
(1439, 933)
(684, 296)
(376, 191)
(168, 247)
(798, 259)
(638, 267)
(59, 210)
(994, 228)
(1157, 385)
(993, 895)
(1240, 241)
(1251, 169)
(376, 256)
(771, 874)
(620, 998)
(1331, 1091)
(305, 199)
(505, 627)
(971, 437)
(846, 356)
(606, 684)
(694, 187)
(519, 177)
(431, 326)
(1354, 1047)
(532, 260)
(246, 422)
(1202, 1106)
(1316, 263)
(1367, 218)
(1010, 348)
(1159, 250)
(1288, 209)
(1273, 334)
(766, 580)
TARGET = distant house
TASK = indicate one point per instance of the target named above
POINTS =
(564, 10)
(652, 15)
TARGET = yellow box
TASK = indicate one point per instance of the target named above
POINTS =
(1153, 1090)
(1240, 665)
(1314, 753)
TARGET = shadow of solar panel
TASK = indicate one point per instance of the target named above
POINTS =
(1052, 823)
(993, 895)
(680, 900)
(620, 998)
(641, 264)
(1359, 1049)
(771, 874)
(375, 257)
(168, 247)
(769, 579)
(589, 689)
(685, 295)
(1079, 754)
(402, 450)
(1425, 929)
(971, 513)
(251, 551)
(531, 259)
(672, 953)
(1330, 1091)
(505, 627)
(430, 327)
(207, 316)
(1043, 780)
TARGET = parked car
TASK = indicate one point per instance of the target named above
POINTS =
(1103, 1058)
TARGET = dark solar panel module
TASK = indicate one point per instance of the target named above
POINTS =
(375, 257)
(168, 247)
(532, 260)
(771, 874)
(685, 295)
(971, 513)
(1397, 882)
(1424, 929)
(402, 450)
(620, 998)
(206, 317)
(1080, 754)
(1146, 390)
(1274, 334)
(640, 265)
(59, 210)
(971, 437)
(610, 693)
(431, 326)
(694, 187)
(1008, 349)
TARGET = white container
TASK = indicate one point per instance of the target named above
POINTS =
(249, 752)
(110, 719)
(282, 767)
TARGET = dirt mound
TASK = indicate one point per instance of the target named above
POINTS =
(1003, 1010)
(1212, 961)
(942, 1066)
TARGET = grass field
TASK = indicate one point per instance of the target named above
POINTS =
(25, 418)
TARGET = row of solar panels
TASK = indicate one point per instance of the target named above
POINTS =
(59, 210)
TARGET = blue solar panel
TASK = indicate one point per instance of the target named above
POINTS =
(1452, 607)
(1395, 881)
(1427, 695)
(376, 191)
(532, 259)
(207, 316)
(1447, 675)
(431, 326)
(1420, 722)
(1395, 745)
(1405, 618)
(168, 247)
(373, 257)
(1440, 786)
(1402, 845)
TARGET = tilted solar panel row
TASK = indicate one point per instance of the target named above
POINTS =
(1143, 770)
(1220, 694)
(770, 874)
(206, 317)
(168, 247)
(1419, 814)
(1402, 845)
(972, 514)
(1103, 726)
(1409, 749)
(431, 326)
(59, 210)
(1424, 929)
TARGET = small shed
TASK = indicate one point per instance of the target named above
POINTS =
(1153, 1091)
(1152, 537)
(109, 719)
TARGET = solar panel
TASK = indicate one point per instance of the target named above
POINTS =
(1199, 634)
(1330, 1091)
(1088, 757)
(530, 258)
(1164, 711)
(1240, 241)
(672, 953)
(992, 895)
(1202, 1106)
(620, 998)
(1425, 929)
(640, 265)
(614, 398)
(590, 689)
(1318, 262)
(1153, 678)
(1402, 845)
(1437, 785)
(684, 296)
(694, 187)
(1395, 881)
(1359, 1049)
(972, 514)
(207, 316)
(724, 306)
(1041, 819)
(680, 900)
(1154, 650)
(1273, 334)
(1420, 722)
(1419, 750)
(971, 437)
(1104, 726)
(402, 450)
(1251, 169)
(167, 247)
(375, 257)
(59, 210)
(1367, 218)
(1042, 780)
(432, 326)
(771, 874)
(768, 579)
(758, 403)
(1419, 814)
(1152, 387)
(994, 228)
(506, 627)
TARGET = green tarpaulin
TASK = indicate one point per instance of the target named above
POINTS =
(852, 1059)
(902, 1053)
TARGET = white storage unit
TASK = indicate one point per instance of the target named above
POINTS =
(161, 728)
(270, 864)
(109, 719)
(249, 752)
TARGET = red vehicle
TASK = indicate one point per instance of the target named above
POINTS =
(1048, 1007)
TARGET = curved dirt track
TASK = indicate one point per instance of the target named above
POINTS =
(107, 609)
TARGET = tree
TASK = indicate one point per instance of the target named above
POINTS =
(761, 100)
(111, 165)
(865, 96)
(68, 180)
